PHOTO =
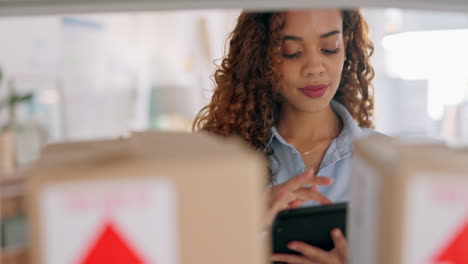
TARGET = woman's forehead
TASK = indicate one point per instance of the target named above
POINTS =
(313, 21)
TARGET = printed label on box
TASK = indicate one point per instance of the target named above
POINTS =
(436, 220)
(118, 221)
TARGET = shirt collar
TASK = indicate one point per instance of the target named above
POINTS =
(350, 129)
(343, 142)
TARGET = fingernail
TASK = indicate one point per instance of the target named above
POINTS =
(292, 246)
(275, 258)
(336, 233)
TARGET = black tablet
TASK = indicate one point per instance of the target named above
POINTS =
(311, 225)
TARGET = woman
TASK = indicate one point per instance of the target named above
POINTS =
(296, 86)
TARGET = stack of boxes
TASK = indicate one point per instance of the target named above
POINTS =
(409, 203)
(179, 198)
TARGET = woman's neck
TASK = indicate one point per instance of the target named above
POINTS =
(299, 128)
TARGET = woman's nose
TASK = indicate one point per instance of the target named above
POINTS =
(313, 66)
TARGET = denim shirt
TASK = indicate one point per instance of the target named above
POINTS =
(336, 162)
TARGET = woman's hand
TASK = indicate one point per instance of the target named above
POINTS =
(314, 255)
(294, 192)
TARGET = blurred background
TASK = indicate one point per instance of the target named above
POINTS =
(78, 77)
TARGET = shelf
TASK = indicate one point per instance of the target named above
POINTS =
(43, 7)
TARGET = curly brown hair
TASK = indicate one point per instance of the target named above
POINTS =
(245, 101)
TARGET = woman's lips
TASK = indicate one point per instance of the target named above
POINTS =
(314, 91)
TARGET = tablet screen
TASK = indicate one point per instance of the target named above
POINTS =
(311, 225)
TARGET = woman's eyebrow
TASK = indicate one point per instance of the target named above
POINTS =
(325, 35)
(331, 33)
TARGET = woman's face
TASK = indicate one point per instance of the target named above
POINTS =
(312, 56)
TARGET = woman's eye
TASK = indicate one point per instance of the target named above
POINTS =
(327, 51)
(292, 55)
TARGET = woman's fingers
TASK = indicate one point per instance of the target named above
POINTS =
(290, 259)
(313, 253)
(307, 194)
(304, 194)
(341, 245)
(292, 193)
(296, 203)
(307, 178)
(298, 181)
(280, 202)
(321, 180)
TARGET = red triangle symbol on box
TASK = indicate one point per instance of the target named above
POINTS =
(110, 247)
(456, 252)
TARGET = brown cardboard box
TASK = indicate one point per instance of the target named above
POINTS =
(12, 216)
(409, 203)
(7, 153)
(155, 198)
(12, 194)
(13, 256)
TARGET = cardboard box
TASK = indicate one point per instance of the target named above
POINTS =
(12, 194)
(12, 212)
(14, 255)
(8, 163)
(155, 198)
(409, 203)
